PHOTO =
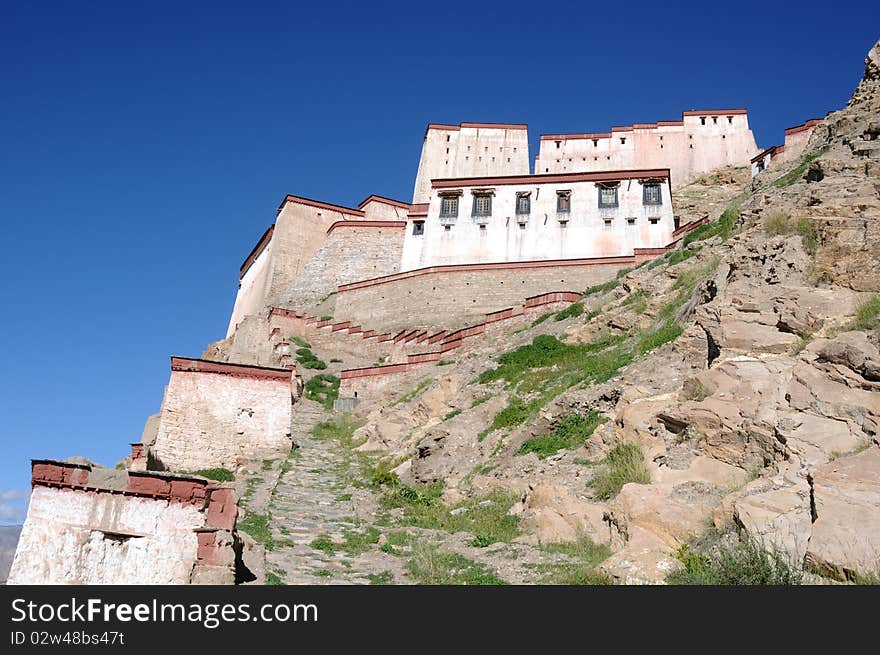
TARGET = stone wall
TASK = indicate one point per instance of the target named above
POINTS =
(352, 251)
(219, 415)
(449, 297)
(89, 525)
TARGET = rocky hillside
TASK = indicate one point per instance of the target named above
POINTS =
(709, 417)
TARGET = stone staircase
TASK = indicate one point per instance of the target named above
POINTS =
(306, 504)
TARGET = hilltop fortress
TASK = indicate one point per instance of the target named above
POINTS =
(390, 286)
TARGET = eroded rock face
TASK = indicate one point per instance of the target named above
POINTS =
(845, 541)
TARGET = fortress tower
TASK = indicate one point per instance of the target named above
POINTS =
(700, 142)
(471, 150)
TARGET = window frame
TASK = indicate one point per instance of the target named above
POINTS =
(478, 198)
(647, 201)
(444, 213)
(526, 199)
(609, 205)
(563, 202)
(418, 228)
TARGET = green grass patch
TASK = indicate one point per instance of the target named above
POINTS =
(308, 359)
(586, 556)
(445, 362)
(623, 272)
(428, 566)
(573, 310)
(383, 578)
(742, 562)
(798, 172)
(339, 428)
(572, 431)
(637, 302)
(452, 414)
(326, 317)
(678, 256)
(779, 223)
(257, 526)
(324, 544)
(625, 463)
(299, 341)
(542, 318)
(323, 388)
(267, 465)
(479, 401)
(412, 393)
(335, 360)
(218, 474)
(485, 517)
(723, 227)
(605, 287)
(273, 579)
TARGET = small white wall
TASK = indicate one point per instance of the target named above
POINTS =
(251, 295)
(65, 540)
(543, 237)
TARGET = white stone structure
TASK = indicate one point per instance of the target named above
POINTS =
(219, 415)
(796, 139)
(471, 150)
(539, 217)
(89, 525)
(700, 142)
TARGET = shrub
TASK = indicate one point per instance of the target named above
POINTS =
(383, 578)
(625, 463)
(743, 562)
(218, 474)
(723, 227)
(867, 314)
(299, 341)
(571, 432)
(326, 317)
(452, 414)
(445, 362)
(571, 311)
(323, 388)
(776, 223)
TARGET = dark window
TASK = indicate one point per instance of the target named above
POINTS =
(449, 207)
(651, 194)
(418, 227)
(714, 120)
(622, 141)
(702, 120)
(563, 202)
(653, 220)
(730, 120)
(558, 143)
(482, 205)
(523, 205)
(608, 196)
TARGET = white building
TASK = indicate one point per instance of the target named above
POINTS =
(700, 142)
(539, 217)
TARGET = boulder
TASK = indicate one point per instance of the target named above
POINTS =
(845, 542)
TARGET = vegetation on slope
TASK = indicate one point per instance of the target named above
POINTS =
(571, 432)
(625, 463)
(740, 562)
(323, 388)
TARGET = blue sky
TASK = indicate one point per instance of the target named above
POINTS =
(143, 150)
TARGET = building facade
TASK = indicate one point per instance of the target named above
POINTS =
(523, 218)
(700, 142)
